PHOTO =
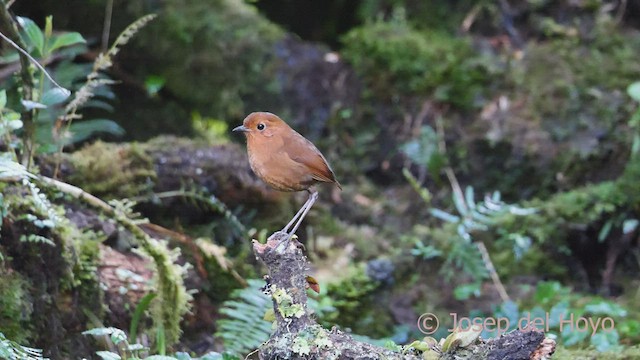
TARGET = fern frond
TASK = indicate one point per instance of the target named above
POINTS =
(466, 257)
(128, 33)
(85, 93)
(11, 170)
(244, 327)
(203, 200)
(13, 351)
(104, 61)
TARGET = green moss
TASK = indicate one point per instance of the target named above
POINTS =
(571, 101)
(15, 306)
(555, 215)
(213, 57)
(112, 170)
(354, 301)
(285, 303)
(625, 353)
(86, 272)
(395, 59)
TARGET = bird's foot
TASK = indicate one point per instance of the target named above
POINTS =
(284, 238)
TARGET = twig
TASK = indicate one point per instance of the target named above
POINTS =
(455, 185)
(470, 18)
(621, 10)
(106, 29)
(78, 193)
(442, 148)
(34, 62)
(492, 271)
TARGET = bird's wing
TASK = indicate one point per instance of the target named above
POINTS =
(304, 152)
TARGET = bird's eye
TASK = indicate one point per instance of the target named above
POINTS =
(261, 126)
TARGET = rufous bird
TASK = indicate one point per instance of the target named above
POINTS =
(285, 160)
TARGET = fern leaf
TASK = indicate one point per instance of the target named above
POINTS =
(244, 329)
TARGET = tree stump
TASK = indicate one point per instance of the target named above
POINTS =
(298, 336)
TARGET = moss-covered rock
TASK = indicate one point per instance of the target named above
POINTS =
(16, 308)
(112, 170)
(394, 59)
(50, 273)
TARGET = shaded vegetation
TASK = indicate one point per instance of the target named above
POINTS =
(422, 108)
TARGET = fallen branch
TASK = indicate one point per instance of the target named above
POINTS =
(298, 336)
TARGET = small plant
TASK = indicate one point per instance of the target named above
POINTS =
(395, 59)
(124, 350)
(244, 328)
(40, 212)
(574, 318)
(11, 350)
(460, 244)
(47, 124)
(43, 103)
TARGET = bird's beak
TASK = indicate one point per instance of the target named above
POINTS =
(241, 128)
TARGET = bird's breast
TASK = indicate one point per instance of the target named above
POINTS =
(277, 169)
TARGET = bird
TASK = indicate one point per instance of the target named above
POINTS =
(285, 160)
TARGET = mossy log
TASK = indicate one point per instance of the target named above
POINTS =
(167, 163)
(298, 336)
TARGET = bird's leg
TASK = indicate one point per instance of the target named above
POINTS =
(286, 228)
(298, 218)
(312, 199)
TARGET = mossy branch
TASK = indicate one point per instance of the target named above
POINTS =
(298, 336)
(172, 300)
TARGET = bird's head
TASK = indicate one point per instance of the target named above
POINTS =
(261, 125)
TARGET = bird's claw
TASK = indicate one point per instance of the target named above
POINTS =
(285, 238)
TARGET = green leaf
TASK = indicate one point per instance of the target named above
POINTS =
(108, 355)
(470, 197)
(84, 129)
(35, 37)
(634, 91)
(419, 345)
(3, 98)
(243, 328)
(464, 292)
(48, 27)
(108, 331)
(426, 252)
(15, 124)
(606, 229)
(605, 340)
(135, 347)
(10, 168)
(629, 225)
(460, 204)
(443, 215)
(30, 105)
(66, 39)
(545, 291)
(509, 309)
(98, 104)
(572, 337)
(558, 313)
(217, 356)
(142, 306)
(154, 83)
(54, 96)
(607, 308)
